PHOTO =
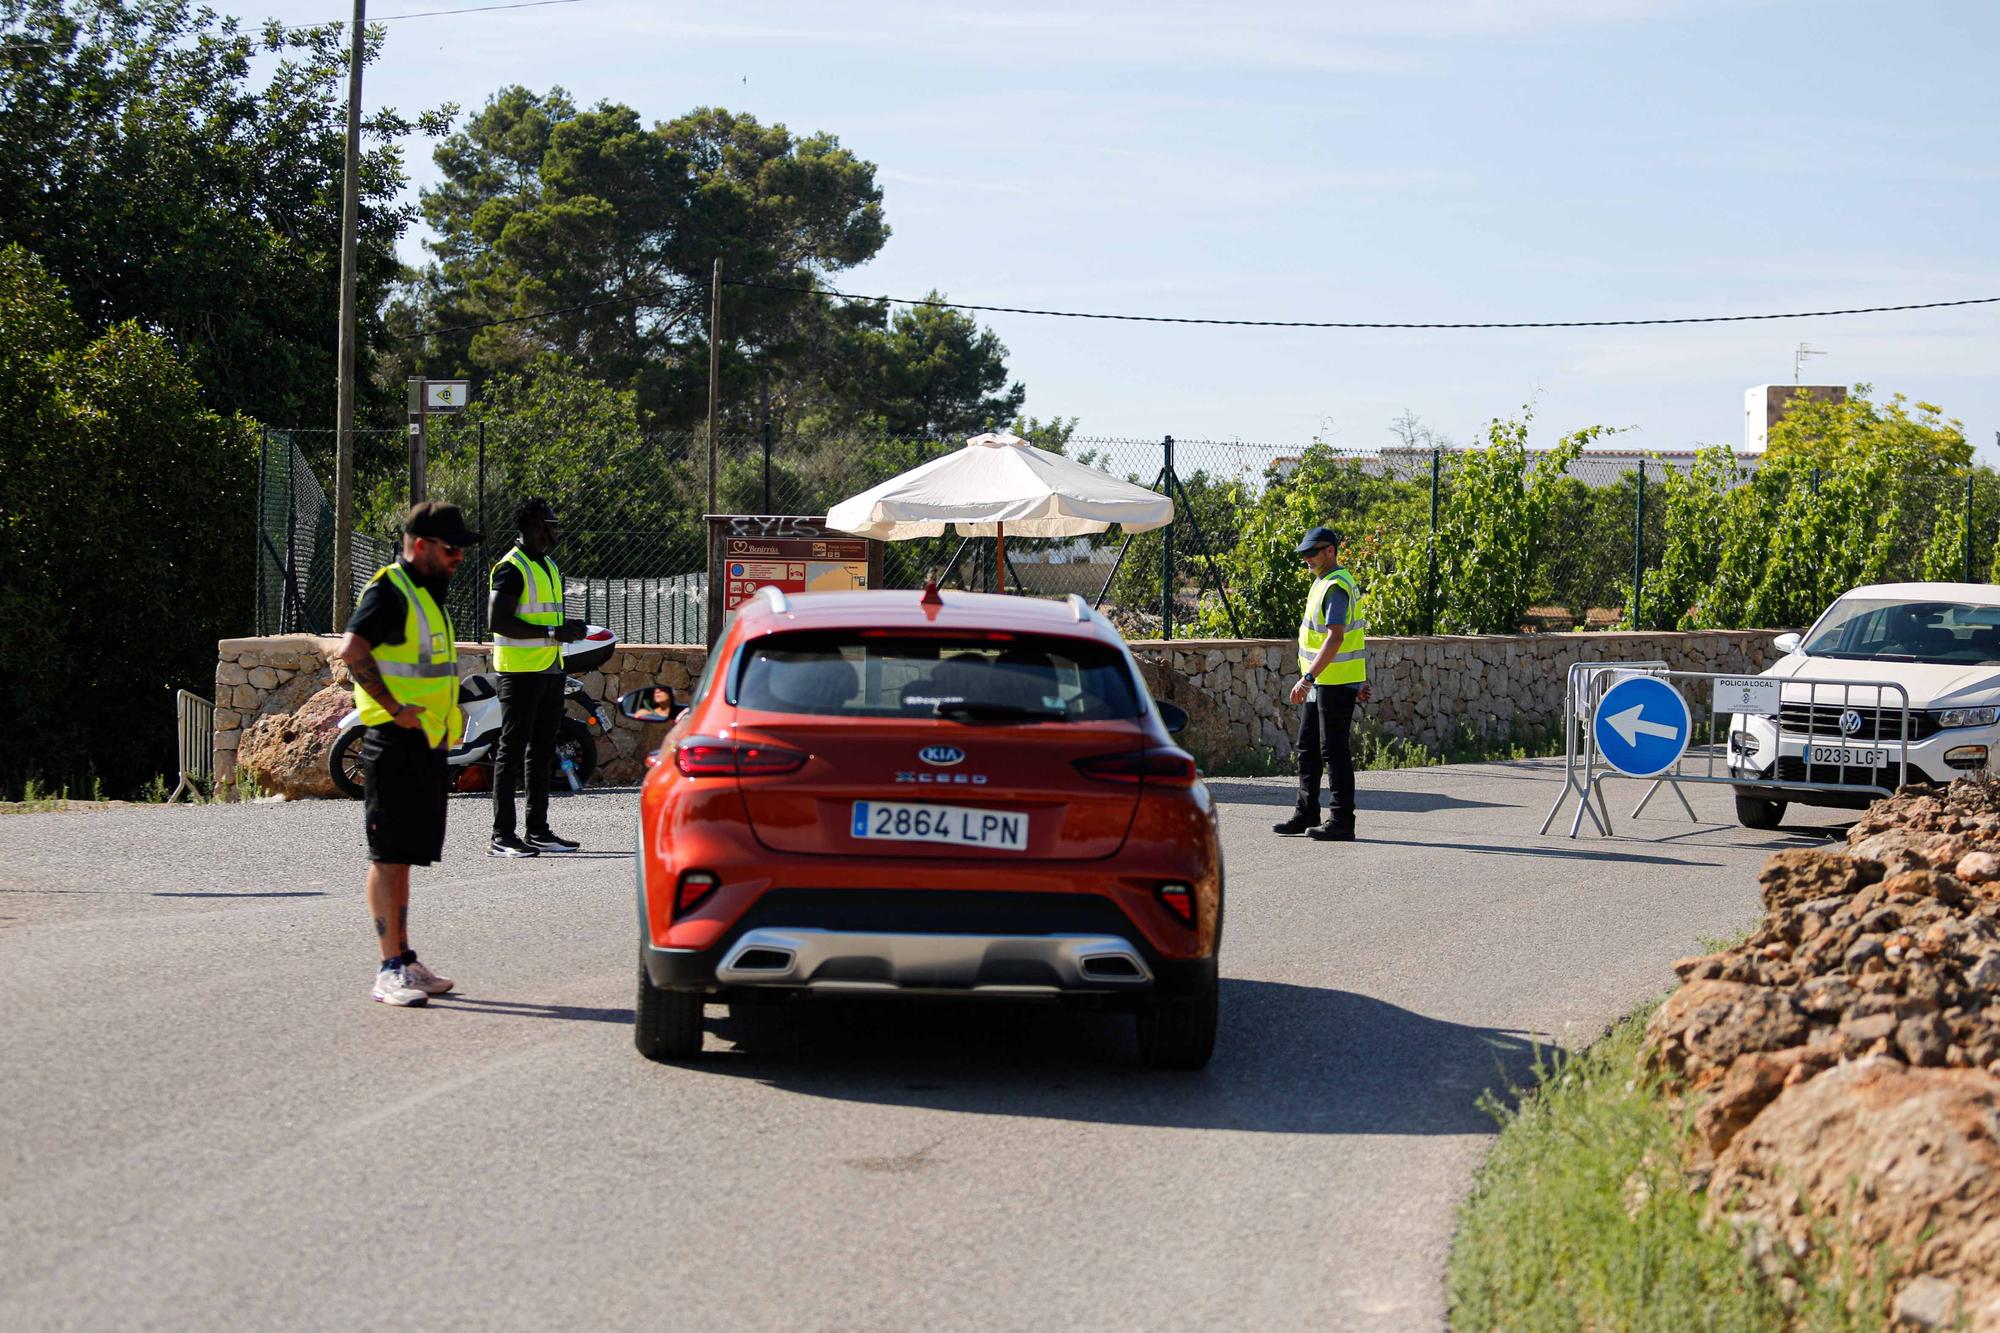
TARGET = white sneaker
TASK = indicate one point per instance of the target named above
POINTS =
(430, 983)
(392, 986)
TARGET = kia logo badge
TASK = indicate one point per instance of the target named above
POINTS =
(1850, 722)
(941, 756)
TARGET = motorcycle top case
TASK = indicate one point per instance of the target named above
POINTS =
(590, 652)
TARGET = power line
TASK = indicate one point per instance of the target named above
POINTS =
(653, 302)
(16, 40)
(433, 13)
(1357, 324)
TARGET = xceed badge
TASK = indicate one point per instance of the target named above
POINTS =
(941, 756)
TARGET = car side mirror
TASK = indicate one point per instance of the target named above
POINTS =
(1173, 715)
(650, 703)
(1788, 643)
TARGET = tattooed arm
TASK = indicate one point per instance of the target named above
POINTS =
(359, 655)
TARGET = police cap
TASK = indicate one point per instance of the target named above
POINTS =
(1318, 537)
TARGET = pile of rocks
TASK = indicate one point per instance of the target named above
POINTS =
(1844, 1061)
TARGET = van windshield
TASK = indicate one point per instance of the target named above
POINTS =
(978, 677)
(1871, 629)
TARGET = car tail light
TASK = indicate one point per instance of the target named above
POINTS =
(1165, 765)
(693, 889)
(1178, 899)
(717, 757)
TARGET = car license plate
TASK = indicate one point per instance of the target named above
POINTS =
(960, 825)
(1851, 756)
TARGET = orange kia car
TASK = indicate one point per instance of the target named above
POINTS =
(902, 793)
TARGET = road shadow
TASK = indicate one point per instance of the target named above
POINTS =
(1289, 1060)
(1366, 798)
(1544, 853)
(475, 1004)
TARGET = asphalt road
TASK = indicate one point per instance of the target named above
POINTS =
(206, 1122)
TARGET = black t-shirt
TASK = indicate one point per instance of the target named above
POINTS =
(382, 612)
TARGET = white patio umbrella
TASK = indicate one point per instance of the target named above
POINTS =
(996, 482)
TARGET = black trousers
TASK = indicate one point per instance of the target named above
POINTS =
(1325, 740)
(531, 704)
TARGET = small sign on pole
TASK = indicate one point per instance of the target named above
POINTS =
(447, 395)
(1641, 726)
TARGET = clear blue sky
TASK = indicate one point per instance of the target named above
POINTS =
(1375, 160)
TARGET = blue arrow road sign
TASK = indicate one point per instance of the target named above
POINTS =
(1641, 726)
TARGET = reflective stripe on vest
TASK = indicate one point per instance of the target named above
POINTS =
(1350, 664)
(541, 604)
(422, 669)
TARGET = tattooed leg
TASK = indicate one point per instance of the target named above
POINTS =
(389, 902)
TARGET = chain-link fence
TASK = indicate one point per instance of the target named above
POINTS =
(1444, 540)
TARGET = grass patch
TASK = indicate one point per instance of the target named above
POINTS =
(1584, 1217)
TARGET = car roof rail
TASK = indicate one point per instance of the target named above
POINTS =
(776, 597)
(1078, 607)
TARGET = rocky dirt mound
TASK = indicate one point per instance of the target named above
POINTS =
(1844, 1061)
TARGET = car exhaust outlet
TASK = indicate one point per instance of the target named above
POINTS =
(763, 960)
(1111, 967)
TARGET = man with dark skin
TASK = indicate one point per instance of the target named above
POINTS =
(409, 703)
(525, 608)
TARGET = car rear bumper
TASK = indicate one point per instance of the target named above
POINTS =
(973, 944)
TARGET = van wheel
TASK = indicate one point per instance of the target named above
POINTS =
(1178, 1031)
(666, 1024)
(343, 764)
(1756, 812)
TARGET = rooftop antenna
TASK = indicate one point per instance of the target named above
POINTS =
(1798, 359)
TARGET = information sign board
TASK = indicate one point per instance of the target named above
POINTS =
(792, 553)
(1749, 695)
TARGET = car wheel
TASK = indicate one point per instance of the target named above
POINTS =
(1178, 1031)
(666, 1024)
(1756, 812)
(343, 764)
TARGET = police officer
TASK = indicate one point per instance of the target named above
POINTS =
(526, 612)
(402, 650)
(1333, 672)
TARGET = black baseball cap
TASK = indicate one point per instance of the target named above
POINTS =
(1318, 537)
(440, 522)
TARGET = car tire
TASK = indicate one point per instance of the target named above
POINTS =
(343, 764)
(1178, 1031)
(1758, 813)
(666, 1024)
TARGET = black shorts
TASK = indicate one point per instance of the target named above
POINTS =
(405, 791)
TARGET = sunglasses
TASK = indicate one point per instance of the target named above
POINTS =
(448, 547)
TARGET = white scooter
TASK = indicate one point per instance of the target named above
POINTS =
(479, 698)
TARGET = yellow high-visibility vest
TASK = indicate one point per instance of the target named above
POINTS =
(541, 604)
(1350, 665)
(423, 668)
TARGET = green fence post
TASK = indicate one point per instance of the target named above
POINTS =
(1968, 527)
(1431, 563)
(1167, 551)
(1639, 547)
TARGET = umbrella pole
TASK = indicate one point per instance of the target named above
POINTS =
(1000, 552)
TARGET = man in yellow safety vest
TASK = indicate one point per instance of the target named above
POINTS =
(526, 611)
(401, 648)
(1333, 678)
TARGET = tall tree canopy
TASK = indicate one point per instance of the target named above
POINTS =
(160, 537)
(159, 183)
(615, 227)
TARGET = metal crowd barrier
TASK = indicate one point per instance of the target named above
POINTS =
(1821, 723)
(194, 721)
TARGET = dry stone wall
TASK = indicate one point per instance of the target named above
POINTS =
(1427, 690)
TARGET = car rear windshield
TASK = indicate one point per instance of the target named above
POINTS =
(984, 677)
(1872, 629)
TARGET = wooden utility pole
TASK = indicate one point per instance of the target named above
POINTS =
(350, 226)
(714, 375)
